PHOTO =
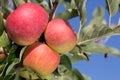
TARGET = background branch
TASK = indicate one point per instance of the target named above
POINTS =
(53, 9)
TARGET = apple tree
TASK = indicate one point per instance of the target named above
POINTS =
(37, 43)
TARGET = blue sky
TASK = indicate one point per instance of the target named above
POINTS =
(99, 68)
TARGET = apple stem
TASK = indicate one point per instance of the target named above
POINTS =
(53, 9)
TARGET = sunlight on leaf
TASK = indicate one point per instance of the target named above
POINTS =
(91, 33)
(112, 6)
(68, 14)
(4, 41)
(77, 55)
(81, 7)
(23, 72)
(73, 75)
(96, 29)
(18, 2)
(69, 4)
(100, 49)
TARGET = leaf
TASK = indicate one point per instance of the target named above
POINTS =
(44, 4)
(5, 3)
(12, 53)
(6, 8)
(69, 4)
(68, 14)
(23, 72)
(4, 41)
(112, 6)
(65, 60)
(9, 77)
(98, 16)
(1, 24)
(1, 67)
(72, 75)
(9, 67)
(17, 3)
(91, 33)
(65, 65)
(97, 27)
(80, 75)
(22, 52)
(78, 55)
(37, 1)
(100, 48)
(12, 65)
(81, 7)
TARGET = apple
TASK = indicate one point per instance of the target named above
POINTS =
(26, 24)
(40, 58)
(2, 57)
(60, 36)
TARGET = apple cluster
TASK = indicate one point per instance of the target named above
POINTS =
(26, 24)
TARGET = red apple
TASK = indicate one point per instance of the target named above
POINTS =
(25, 24)
(60, 36)
(2, 57)
(40, 58)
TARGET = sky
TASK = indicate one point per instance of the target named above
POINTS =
(99, 68)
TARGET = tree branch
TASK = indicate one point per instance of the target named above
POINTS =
(53, 9)
(117, 27)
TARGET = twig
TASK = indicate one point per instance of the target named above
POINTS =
(117, 27)
(53, 9)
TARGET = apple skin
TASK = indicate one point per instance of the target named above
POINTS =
(2, 57)
(60, 36)
(26, 24)
(40, 58)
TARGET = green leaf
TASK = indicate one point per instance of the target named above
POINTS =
(78, 55)
(98, 16)
(91, 33)
(1, 67)
(5, 3)
(37, 1)
(9, 67)
(28, 74)
(81, 7)
(65, 61)
(80, 75)
(6, 8)
(65, 65)
(100, 48)
(4, 41)
(1, 24)
(68, 14)
(97, 27)
(8, 77)
(17, 3)
(12, 53)
(72, 75)
(12, 65)
(45, 5)
(112, 6)
(22, 52)
(69, 4)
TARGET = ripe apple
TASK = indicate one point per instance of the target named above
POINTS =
(60, 36)
(40, 58)
(2, 57)
(26, 24)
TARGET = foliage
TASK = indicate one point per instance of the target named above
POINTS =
(88, 36)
